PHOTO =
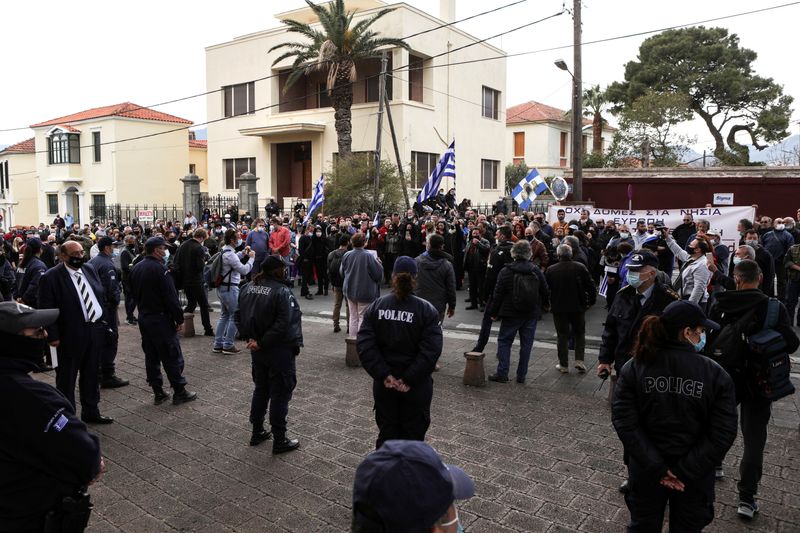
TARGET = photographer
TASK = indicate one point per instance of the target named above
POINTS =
(694, 275)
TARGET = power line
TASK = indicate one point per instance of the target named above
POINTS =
(263, 78)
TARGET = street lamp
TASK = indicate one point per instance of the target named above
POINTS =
(577, 137)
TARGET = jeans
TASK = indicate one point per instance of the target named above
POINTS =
(754, 416)
(356, 310)
(565, 322)
(226, 327)
(196, 294)
(792, 295)
(505, 338)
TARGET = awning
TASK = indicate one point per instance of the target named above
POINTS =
(284, 129)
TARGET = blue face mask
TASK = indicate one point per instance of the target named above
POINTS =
(698, 347)
(633, 279)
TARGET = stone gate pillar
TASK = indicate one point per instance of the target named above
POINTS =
(248, 194)
(191, 194)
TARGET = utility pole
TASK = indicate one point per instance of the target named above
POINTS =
(396, 150)
(577, 106)
(381, 98)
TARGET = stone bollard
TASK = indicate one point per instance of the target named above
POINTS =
(351, 355)
(188, 325)
(474, 373)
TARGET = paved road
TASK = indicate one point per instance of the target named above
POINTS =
(543, 455)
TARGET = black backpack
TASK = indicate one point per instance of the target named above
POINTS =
(729, 347)
(525, 291)
(770, 365)
(333, 270)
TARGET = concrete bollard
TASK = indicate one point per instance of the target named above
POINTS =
(351, 355)
(188, 325)
(474, 373)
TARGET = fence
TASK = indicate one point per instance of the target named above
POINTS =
(125, 214)
(216, 204)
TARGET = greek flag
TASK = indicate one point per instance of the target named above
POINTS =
(376, 220)
(317, 198)
(528, 189)
(445, 167)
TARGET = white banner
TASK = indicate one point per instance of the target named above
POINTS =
(723, 219)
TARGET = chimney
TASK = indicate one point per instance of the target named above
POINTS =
(447, 10)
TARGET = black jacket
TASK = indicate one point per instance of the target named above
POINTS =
(677, 412)
(154, 290)
(436, 279)
(500, 257)
(269, 313)
(624, 319)
(108, 277)
(732, 305)
(682, 232)
(502, 304)
(400, 337)
(46, 452)
(28, 281)
(191, 262)
(571, 287)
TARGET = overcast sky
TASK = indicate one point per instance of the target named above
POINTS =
(63, 57)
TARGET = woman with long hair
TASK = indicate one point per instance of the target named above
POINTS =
(399, 342)
(675, 413)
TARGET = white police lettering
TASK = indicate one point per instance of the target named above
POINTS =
(394, 314)
(259, 289)
(674, 385)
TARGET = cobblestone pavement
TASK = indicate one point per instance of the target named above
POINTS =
(544, 455)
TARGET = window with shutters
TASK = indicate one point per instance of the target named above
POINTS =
(63, 147)
(422, 164)
(235, 168)
(239, 99)
(519, 147)
(562, 151)
(491, 103)
(489, 171)
(96, 146)
(52, 204)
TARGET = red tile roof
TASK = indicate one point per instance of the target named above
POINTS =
(25, 147)
(536, 112)
(126, 109)
(198, 143)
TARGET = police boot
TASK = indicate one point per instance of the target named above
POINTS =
(259, 435)
(161, 395)
(183, 396)
(283, 445)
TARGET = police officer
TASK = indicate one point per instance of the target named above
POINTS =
(399, 342)
(268, 318)
(675, 412)
(160, 320)
(104, 264)
(47, 456)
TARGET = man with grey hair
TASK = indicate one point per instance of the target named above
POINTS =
(572, 292)
(722, 280)
(520, 296)
(577, 253)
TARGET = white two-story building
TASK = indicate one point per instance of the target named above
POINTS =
(287, 138)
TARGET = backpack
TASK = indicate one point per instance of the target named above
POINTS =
(525, 295)
(212, 273)
(770, 363)
(334, 268)
(729, 346)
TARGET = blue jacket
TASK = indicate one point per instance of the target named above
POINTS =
(777, 243)
(108, 277)
(362, 275)
(28, 281)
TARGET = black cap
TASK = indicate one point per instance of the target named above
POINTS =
(640, 259)
(684, 313)
(34, 244)
(104, 241)
(272, 262)
(14, 317)
(153, 242)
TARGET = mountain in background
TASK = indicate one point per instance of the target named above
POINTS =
(786, 152)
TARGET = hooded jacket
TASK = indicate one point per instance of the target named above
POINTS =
(436, 279)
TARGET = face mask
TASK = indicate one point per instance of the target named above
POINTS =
(166, 256)
(714, 242)
(239, 242)
(633, 279)
(780, 227)
(116, 252)
(334, 230)
(751, 243)
(624, 234)
(698, 347)
(76, 262)
(318, 234)
(260, 229)
(451, 231)
(737, 259)
(22, 347)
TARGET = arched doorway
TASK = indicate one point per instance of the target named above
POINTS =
(73, 206)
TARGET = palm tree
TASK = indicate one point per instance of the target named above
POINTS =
(336, 48)
(594, 103)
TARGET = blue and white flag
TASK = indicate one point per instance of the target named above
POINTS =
(317, 198)
(376, 220)
(445, 168)
(528, 189)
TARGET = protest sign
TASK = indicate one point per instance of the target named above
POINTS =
(724, 219)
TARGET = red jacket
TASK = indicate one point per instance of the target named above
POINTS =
(279, 241)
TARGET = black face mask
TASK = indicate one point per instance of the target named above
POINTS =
(76, 262)
(21, 347)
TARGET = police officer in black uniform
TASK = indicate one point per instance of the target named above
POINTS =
(47, 456)
(269, 319)
(107, 272)
(675, 413)
(160, 320)
(399, 342)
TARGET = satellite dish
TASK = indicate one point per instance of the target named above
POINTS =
(559, 188)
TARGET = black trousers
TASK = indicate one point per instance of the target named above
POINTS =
(689, 511)
(197, 294)
(130, 303)
(402, 415)
(754, 416)
(80, 365)
(110, 344)
(306, 267)
(275, 377)
(321, 267)
(476, 278)
(161, 348)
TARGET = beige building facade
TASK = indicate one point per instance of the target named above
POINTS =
(79, 164)
(287, 137)
(541, 136)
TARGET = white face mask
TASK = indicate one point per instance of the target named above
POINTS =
(780, 227)
(624, 234)
(318, 234)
